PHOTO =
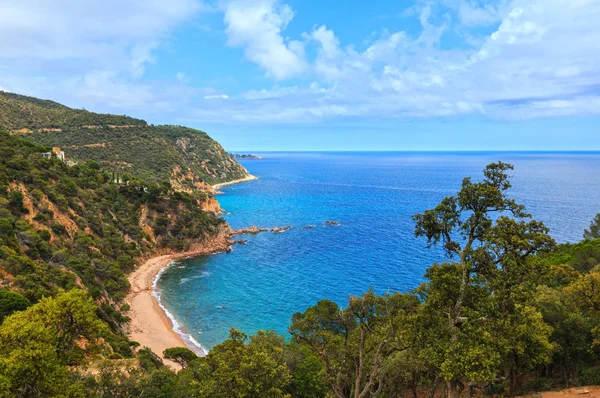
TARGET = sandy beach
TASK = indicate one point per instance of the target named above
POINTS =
(149, 324)
(249, 178)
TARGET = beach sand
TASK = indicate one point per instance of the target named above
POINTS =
(149, 324)
(249, 178)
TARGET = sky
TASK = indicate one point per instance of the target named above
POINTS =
(262, 75)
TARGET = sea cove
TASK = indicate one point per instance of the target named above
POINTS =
(260, 284)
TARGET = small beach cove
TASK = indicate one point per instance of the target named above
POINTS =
(152, 325)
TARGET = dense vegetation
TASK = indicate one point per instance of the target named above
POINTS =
(64, 227)
(508, 312)
(187, 158)
(21, 112)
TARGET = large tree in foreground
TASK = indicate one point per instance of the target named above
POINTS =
(358, 344)
(475, 319)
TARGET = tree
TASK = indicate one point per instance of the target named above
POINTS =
(37, 345)
(490, 256)
(11, 302)
(180, 355)
(594, 231)
(353, 343)
(149, 360)
(238, 368)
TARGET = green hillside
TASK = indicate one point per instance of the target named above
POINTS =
(21, 112)
(187, 158)
(67, 227)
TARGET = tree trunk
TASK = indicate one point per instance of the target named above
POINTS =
(435, 384)
(452, 389)
(513, 380)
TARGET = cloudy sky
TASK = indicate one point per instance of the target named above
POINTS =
(321, 74)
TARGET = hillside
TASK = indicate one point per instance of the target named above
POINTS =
(64, 227)
(187, 158)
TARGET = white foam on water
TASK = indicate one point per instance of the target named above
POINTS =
(187, 338)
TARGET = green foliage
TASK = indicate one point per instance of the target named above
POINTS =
(148, 360)
(185, 156)
(240, 369)
(507, 304)
(594, 231)
(76, 223)
(180, 355)
(582, 256)
(19, 111)
(37, 345)
(354, 342)
(11, 302)
(475, 321)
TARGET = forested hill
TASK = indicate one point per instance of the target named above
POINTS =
(19, 112)
(71, 227)
(187, 158)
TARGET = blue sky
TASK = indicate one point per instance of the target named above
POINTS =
(321, 75)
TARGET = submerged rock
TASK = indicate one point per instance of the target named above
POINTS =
(332, 223)
(281, 229)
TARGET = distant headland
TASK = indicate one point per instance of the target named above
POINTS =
(245, 156)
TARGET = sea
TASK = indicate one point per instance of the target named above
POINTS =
(372, 195)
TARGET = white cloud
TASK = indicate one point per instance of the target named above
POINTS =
(217, 96)
(89, 29)
(61, 41)
(537, 63)
(472, 13)
(182, 77)
(141, 54)
(257, 25)
(521, 59)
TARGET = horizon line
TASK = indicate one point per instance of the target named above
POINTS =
(418, 151)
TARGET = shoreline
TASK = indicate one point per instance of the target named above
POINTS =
(150, 324)
(250, 177)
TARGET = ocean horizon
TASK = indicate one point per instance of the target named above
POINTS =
(372, 194)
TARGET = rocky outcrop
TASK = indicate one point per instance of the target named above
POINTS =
(281, 229)
(219, 242)
(252, 230)
(331, 223)
(211, 205)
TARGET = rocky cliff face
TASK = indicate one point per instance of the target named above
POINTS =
(211, 205)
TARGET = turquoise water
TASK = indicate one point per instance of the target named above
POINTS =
(259, 285)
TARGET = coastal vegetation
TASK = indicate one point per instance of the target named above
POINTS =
(509, 311)
(71, 233)
(186, 158)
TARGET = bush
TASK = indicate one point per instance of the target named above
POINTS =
(11, 302)
(58, 228)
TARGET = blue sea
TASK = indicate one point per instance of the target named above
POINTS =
(261, 284)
